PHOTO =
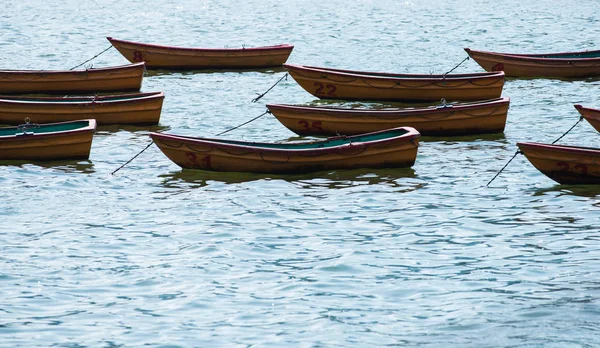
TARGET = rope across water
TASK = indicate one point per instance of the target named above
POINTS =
(459, 64)
(267, 91)
(228, 130)
(94, 57)
(519, 151)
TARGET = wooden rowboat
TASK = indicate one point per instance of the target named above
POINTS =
(390, 148)
(488, 116)
(567, 64)
(135, 108)
(51, 141)
(360, 85)
(590, 115)
(157, 56)
(117, 78)
(564, 164)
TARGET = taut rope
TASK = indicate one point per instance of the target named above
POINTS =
(77, 66)
(152, 142)
(519, 151)
(267, 91)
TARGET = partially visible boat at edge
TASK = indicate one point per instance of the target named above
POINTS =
(565, 65)
(390, 148)
(480, 117)
(110, 79)
(564, 164)
(171, 57)
(51, 141)
(331, 83)
(134, 108)
(591, 115)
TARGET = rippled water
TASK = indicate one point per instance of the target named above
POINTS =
(421, 257)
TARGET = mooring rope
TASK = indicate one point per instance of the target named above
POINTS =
(519, 151)
(570, 129)
(506, 165)
(245, 123)
(459, 64)
(152, 142)
(109, 47)
(126, 163)
(267, 91)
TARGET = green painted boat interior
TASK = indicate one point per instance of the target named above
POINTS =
(580, 55)
(42, 129)
(330, 142)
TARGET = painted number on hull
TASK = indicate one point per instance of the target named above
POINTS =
(578, 168)
(314, 125)
(204, 162)
(327, 89)
(137, 56)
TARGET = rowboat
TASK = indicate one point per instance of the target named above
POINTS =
(158, 56)
(564, 164)
(330, 83)
(135, 108)
(390, 148)
(567, 64)
(487, 116)
(116, 78)
(51, 141)
(590, 115)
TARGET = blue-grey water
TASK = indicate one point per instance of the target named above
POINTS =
(429, 256)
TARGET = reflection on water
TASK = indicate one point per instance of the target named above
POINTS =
(113, 128)
(559, 79)
(588, 191)
(465, 138)
(162, 72)
(66, 166)
(348, 178)
(192, 179)
(84, 167)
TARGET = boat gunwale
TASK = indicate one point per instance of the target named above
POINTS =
(536, 57)
(392, 76)
(89, 128)
(559, 148)
(417, 110)
(587, 112)
(279, 47)
(410, 135)
(132, 66)
(82, 100)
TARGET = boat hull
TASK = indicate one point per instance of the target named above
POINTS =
(214, 155)
(138, 109)
(591, 115)
(458, 119)
(120, 78)
(69, 142)
(163, 57)
(564, 164)
(329, 83)
(515, 65)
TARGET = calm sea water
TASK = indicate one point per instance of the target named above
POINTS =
(422, 257)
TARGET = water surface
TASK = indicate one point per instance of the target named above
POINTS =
(421, 257)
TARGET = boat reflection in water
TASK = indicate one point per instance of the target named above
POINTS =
(400, 179)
